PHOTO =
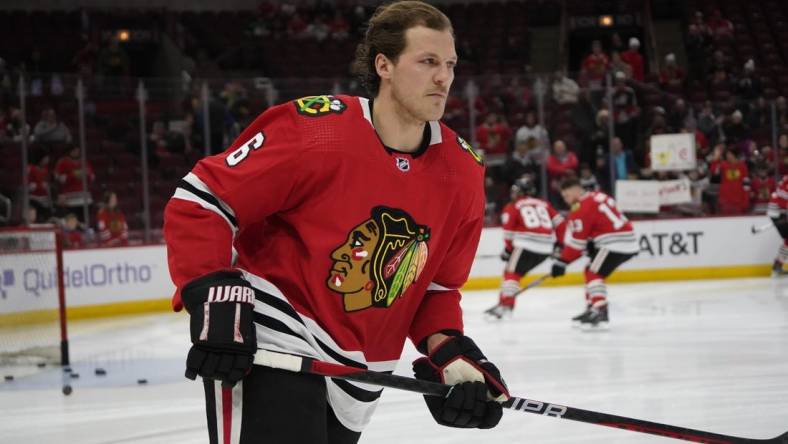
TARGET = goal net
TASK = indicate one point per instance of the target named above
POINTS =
(32, 297)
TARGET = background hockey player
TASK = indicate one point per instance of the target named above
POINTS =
(596, 226)
(778, 212)
(335, 227)
(530, 229)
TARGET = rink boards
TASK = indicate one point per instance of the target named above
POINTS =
(109, 281)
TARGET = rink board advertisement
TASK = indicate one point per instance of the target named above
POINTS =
(669, 249)
(91, 277)
(123, 280)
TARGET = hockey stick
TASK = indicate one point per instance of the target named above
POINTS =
(300, 364)
(762, 228)
(491, 311)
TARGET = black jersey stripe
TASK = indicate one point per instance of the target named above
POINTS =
(359, 394)
(209, 198)
(275, 324)
(279, 304)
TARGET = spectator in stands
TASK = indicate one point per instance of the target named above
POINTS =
(72, 194)
(111, 222)
(734, 130)
(671, 76)
(679, 117)
(339, 27)
(622, 160)
(50, 130)
(720, 27)
(39, 187)
(748, 87)
(633, 58)
(595, 66)
(618, 65)
(493, 135)
(531, 132)
(296, 27)
(626, 111)
(73, 236)
(565, 90)
(719, 62)
(708, 123)
(560, 163)
(733, 176)
(763, 185)
(526, 158)
(16, 126)
(587, 178)
(318, 29)
(596, 145)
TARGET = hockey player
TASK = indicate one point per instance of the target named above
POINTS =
(595, 226)
(335, 227)
(778, 212)
(530, 226)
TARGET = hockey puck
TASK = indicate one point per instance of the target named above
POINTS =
(100, 371)
(41, 364)
(142, 381)
(74, 375)
(9, 377)
(67, 390)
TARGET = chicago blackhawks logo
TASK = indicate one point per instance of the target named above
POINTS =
(380, 259)
(315, 106)
(469, 149)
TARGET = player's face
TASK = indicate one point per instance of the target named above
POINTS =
(350, 272)
(572, 195)
(424, 72)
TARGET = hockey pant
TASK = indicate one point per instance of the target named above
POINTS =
(781, 223)
(520, 263)
(271, 406)
(602, 264)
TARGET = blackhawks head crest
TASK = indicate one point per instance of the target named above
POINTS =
(380, 259)
(315, 106)
(468, 148)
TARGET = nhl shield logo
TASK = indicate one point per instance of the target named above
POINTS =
(403, 164)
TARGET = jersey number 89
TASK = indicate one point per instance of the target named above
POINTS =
(535, 217)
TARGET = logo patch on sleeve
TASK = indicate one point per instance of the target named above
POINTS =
(469, 149)
(316, 106)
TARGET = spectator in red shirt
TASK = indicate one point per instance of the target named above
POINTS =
(720, 27)
(671, 75)
(633, 58)
(595, 65)
(38, 183)
(72, 233)
(734, 197)
(561, 162)
(111, 222)
(493, 135)
(72, 194)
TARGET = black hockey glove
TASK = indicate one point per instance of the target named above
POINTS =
(559, 269)
(223, 334)
(477, 386)
(506, 254)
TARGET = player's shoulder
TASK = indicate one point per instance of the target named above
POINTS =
(326, 108)
(458, 150)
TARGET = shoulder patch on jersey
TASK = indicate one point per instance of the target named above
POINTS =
(316, 106)
(469, 149)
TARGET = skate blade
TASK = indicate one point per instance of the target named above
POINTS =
(600, 327)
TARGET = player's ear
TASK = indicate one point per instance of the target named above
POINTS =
(383, 66)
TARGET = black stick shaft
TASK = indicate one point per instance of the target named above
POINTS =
(313, 366)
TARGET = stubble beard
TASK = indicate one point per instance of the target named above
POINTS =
(413, 112)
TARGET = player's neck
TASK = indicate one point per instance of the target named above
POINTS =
(396, 126)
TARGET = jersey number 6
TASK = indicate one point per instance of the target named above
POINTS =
(240, 153)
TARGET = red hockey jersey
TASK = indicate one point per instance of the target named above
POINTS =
(112, 227)
(596, 218)
(531, 224)
(778, 203)
(354, 246)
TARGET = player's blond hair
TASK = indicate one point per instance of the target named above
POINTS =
(386, 35)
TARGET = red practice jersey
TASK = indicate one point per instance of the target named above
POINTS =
(778, 203)
(68, 172)
(531, 224)
(596, 218)
(353, 246)
(112, 227)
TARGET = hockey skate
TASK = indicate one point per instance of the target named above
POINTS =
(498, 312)
(597, 319)
(578, 320)
(778, 270)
